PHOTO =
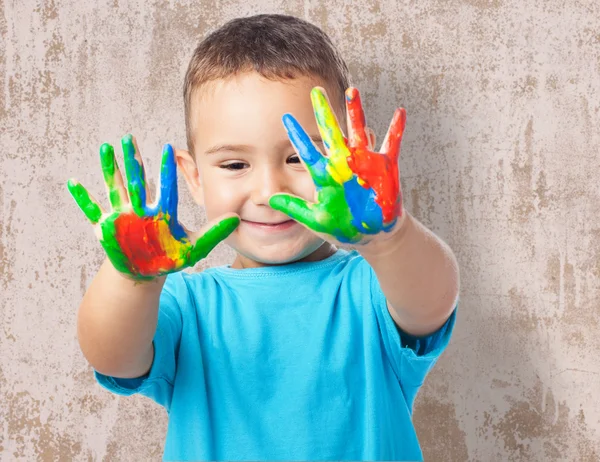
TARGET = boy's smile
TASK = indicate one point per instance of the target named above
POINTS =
(243, 157)
(270, 227)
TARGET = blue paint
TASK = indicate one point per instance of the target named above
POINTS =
(168, 198)
(311, 156)
(363, 207)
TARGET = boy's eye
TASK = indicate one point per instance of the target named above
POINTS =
(294, 159)
(234, 166)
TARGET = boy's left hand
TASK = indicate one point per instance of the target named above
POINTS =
(358, 191)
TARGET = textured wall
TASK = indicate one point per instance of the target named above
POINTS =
(500, 158)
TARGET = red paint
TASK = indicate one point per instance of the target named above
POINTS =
(356, 119)
(377, 171)
(140, 243)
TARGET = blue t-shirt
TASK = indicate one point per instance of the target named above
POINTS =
(300, 361)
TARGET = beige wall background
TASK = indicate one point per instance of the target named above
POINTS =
(500, 158)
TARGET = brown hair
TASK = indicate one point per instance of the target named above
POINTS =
(274, 45)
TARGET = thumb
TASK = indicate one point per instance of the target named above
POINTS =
(212, 234)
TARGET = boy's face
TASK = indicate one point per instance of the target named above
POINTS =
(243, 157)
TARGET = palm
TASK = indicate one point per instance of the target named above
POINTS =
(358, 191)
(145, 241)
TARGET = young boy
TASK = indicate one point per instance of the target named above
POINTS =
(297, 350)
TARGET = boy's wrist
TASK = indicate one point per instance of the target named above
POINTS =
(385, 242)
(154, 283)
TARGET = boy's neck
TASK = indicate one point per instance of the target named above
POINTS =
(326, 250)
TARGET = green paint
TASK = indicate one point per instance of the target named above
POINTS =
(110, 170)
(112, 247)
(136, 182)
(89, 207)
(330, 215)
(209, 240)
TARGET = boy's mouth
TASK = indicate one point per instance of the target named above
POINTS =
(280, 226)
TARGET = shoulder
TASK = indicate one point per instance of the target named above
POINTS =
(183, 281)
(181, 289)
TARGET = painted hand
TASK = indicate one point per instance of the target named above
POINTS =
(144, 241)
(358, 191)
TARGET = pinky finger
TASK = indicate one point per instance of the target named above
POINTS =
(85, 201)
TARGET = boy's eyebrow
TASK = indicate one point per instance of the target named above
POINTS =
(247, 148)
(315, 138)
(228, 148)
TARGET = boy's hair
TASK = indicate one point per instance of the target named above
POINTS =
(274, 45)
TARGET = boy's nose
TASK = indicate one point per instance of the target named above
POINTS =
(267, 184)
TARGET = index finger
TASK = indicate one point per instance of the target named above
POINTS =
(332, 135)
(326, 120)
(167, 200)
(315, 162)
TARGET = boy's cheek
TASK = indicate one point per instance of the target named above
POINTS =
(305, 188)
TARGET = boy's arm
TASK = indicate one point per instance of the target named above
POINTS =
(418, 274)
(358, 197)
(116, 323)
(118, 315)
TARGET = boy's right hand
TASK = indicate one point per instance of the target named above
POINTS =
(142, 241)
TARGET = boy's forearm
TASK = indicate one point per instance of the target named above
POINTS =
(418, 274)
(117, 321)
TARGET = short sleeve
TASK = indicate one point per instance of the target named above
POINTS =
(158, 383)
(411, 357)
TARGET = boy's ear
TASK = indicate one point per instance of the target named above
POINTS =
(187, 166)
(372, 138)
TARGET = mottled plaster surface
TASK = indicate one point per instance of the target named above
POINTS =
(500, 158)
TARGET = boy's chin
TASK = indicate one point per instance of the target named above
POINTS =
(279, 255)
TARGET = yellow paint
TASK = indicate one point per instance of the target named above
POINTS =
(173, 248)
(332, 137)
